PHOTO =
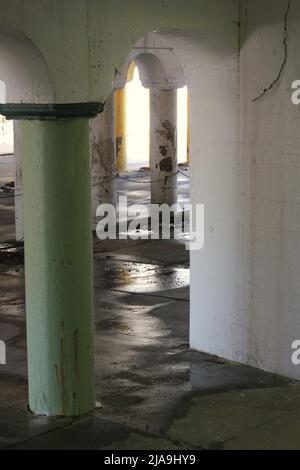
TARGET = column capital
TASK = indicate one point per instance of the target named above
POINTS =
(49, 111)
(168, 86)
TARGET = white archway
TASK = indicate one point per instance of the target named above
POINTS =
(220, 272)
(26, 79)
(23, 69)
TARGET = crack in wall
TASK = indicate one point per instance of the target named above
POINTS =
(285, 49)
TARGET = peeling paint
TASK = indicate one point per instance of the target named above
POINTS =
(103, 168)
(163, 150)
(166, 164)
(168, 131)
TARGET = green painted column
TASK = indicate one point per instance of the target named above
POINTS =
(58, 265)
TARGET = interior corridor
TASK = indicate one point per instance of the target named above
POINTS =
(153, 392)
(149, 225)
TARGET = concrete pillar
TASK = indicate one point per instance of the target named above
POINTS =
(163, 145)
(120, 119)
(58, 265)
(103, 139)
(19, 229)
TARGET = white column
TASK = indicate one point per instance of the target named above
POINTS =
(18, 183)
(163, 145)
(103, 144)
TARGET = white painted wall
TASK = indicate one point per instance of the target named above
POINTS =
(245, 296)
(220, 179)
(27, 79)
(272, 152)
(220, 272)
(23, 69)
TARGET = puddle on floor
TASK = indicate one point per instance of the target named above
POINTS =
(141, 277)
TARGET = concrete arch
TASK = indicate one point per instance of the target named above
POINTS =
(23, 69)
(220, 272)
(151, 70)
(157, 64)
(26, 80)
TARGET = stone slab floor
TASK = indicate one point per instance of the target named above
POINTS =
(156, 393)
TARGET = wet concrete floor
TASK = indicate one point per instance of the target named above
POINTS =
(156, 392)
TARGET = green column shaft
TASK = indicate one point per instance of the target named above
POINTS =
(58, 266)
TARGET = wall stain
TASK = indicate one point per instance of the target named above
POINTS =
(119, 141)
(166, 164)
(163, 150)
(168, 131)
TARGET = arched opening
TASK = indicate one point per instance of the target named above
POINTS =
(219, 271)
(210, 73)
(137, 123)
(156, 136)
(24, 78)
(137, 129)
(208, 65)
(137, 117)
(23, 69)
(244, 146)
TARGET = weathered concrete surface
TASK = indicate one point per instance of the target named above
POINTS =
(58, 266)
(163, 145)
(103, 164)
(137, 189)
(18, 183)
(244, 172)
(102, 41)
(155, 392)
(7, 209)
